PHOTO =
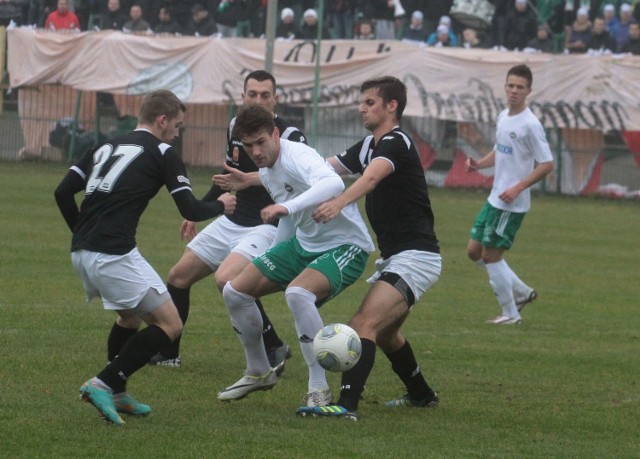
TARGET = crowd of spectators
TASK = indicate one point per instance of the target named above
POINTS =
(569, 26)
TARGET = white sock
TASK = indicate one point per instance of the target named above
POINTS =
(500, 280)
(247, 322)
(519, 288)
(308, 322)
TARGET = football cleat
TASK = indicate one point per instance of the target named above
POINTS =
(335, 411)
(247, 384)
(278, 356)
(125, 403)
(102, 400)
(526, 299)
(318, 397)
(430, 402)
(505, 320)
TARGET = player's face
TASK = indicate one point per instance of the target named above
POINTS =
(260, 93)
(171, 128)
(263, 148)
(517, 90)
(373, 109)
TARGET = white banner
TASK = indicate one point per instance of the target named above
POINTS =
(574, 91)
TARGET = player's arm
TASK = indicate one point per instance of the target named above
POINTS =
(489, 160)
(194, 210)
(338, 167)
(373, 174)
(539, 172)
(235, 180)
(65, 192)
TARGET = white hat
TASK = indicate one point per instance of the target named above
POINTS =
(310, 13)
(609, 7)
(417, 14)
(286, 12)
(524, 2)
(582, 11)
(446, 20)
(625, 8)
(443, 29)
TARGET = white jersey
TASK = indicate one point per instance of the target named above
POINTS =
(297, 169)
(520, 143)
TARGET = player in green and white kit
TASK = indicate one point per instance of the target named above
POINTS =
(521, 157)
(312, 262)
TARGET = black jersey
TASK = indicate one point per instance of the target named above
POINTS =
(251, 200)
(119, 179)
(398, 208)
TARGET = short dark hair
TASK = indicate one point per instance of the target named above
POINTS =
(253, 119)
(260, 75)
(523, 71)
(389, 88)
(158, 103)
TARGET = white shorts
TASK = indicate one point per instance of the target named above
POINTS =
(222, 236)
(123, 281)
(419, 269)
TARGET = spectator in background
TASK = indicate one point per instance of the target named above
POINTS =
(342, 13)
(441, 37)
(114, 18)
(201, 24)
(166, 24)
(136, 22)
(62, 18)
(633, 44)
(521, 26)
(444, 21)
(11, 10)
(309, 29)
(415, 30)
(610, 19)
(287, 27)
(620, 31)
(433, 10)
(470, 39)
(601, 40)
(364, 31)
(228, 14)
(576, 42)
(542, 41)
(383, 14)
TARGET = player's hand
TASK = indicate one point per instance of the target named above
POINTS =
(510, 194)
(273, 212)
(327, 211)
(188, 230)
(229, 202)
(233, 181)
(471, 165)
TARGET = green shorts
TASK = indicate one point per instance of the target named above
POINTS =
(342, 265)
(496, 228)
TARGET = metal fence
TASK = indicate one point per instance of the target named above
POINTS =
(33, 120)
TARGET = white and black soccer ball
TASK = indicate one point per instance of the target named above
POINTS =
(337, 347)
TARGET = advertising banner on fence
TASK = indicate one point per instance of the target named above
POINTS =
(569, 91)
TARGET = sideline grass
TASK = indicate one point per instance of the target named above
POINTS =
(563, 384)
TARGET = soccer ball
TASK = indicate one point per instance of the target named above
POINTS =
(337, 347)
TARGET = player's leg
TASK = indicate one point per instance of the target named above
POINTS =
(251, 245)
(326, 275)
(239, 296)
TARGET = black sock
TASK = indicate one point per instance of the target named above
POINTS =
(269, 335)
(404, 364)
(134, 355)
(117, 338)
(353, 381)
(181, 298)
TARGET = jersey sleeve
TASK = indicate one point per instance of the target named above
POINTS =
(539, 146)
(392, 148)
(350, 158)
(176, 178)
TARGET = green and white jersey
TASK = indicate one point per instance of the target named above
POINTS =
(520, 143)
(301, 180)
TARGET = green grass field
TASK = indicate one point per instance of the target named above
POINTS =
(564, 384)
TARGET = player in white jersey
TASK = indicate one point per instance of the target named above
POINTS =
(312, 262)
(521, 157)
